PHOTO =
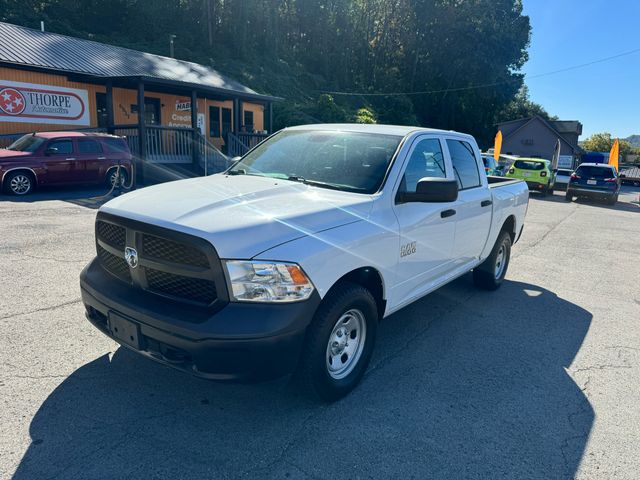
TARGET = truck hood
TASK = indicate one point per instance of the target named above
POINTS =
(242, 215)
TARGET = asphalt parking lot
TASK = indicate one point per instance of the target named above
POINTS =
(540, 379)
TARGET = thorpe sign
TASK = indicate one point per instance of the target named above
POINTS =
(31, 103)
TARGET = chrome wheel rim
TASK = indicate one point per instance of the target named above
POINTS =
(20, 184)
(500, 261)
(114, 178)
(346, 344)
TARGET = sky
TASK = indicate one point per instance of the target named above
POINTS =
(605, 97)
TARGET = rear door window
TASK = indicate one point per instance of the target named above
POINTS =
(88, 146)
(116, 145)
(465, 167)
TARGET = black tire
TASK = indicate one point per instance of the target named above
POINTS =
(488, 275)
(612, 200)
(313, 374)
(124, 178)
(19, 183)
(543, 192)
(568, 197)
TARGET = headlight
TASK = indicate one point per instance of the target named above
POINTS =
(255, 281)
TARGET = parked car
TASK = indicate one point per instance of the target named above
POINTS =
(562, 178)
(491, 167)
(536, 172)
(63, 158)
(594, 180)
(288, 260)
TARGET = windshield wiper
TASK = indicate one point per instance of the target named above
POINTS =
(316, 183)
(241, 171)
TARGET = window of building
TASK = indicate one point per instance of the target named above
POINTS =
(464, 163)
(63, 146)
(426, 161)
(87, 145)
(101, 109)
(226, 121)
(214, 122)
(248, 120)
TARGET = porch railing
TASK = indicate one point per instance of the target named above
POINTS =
(240, 143)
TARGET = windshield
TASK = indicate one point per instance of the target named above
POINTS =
(595, 172)
(349, 161)
(27, 143)
(528, 165)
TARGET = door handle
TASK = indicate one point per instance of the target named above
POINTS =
(102, 158)
(69, 159)
(447, 213)
(485, 203)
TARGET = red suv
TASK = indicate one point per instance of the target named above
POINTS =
(63, 158)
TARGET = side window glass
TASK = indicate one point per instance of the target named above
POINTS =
(465, 167)
(86, 145)
(64, 147)
(426, 161)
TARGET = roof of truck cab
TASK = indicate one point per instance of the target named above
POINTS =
(374, 128)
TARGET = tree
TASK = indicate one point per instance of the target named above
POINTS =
(602, 142)
(522, 107)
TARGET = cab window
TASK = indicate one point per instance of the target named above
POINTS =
(426, 161)
(465, 167)
(63, 146)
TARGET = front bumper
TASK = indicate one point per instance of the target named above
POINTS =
(241, 341)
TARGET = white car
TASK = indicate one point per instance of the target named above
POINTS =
(563, 176)
(287, 261)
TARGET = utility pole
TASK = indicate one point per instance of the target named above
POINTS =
(171, 37)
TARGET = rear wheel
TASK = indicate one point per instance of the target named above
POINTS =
(490, 274)
(612, 200)
(18, 183)
(568, 196)
(339, 343)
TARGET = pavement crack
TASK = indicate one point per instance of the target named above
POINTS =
(44, 309)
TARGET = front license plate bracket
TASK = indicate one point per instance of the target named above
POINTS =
(124, 330)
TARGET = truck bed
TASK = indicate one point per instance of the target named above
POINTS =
(500, 181)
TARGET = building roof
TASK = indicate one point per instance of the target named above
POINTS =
(23, 46)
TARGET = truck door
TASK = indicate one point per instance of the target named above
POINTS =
(473, 207)
(426, 235)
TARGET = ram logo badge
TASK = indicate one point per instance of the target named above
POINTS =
(408, 249)
(131, 257)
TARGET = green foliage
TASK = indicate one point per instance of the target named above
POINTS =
(603, 142)
(522, 107)
(299, 49)
(365, 115)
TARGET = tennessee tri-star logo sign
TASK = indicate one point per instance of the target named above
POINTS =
(12, 102)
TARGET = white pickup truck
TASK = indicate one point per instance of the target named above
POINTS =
(286, 262)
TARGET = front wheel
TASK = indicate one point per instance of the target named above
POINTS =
(339, 343)
(490, 274)
(18, 183)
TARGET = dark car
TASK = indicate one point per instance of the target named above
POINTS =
(63, 158)
(594, 180)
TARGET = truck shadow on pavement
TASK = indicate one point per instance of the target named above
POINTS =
(83, 196)
(464, 384)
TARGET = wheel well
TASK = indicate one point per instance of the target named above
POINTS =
(369, 278)
(22, 170)
(509, 225)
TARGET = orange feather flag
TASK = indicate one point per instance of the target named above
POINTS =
(497, 146)
(613, 155)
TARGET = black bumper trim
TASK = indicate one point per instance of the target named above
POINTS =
(242, 341)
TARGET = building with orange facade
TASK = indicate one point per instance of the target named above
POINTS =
(171, 111)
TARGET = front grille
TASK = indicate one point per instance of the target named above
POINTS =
(114, 265)
(163, 249)
(194, 289)
(170, 264)
(114, 235)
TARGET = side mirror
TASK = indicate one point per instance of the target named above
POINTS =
(51, 151)
(432, 190)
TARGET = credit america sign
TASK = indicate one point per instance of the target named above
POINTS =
(32, 103)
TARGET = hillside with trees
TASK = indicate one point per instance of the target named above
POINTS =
(393, 61)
